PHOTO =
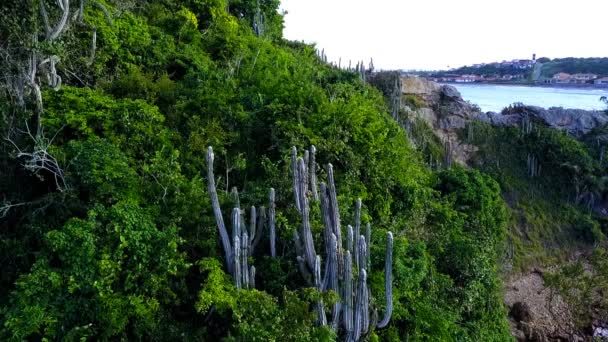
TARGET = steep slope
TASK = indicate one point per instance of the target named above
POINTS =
(551, 169)
(107, 228)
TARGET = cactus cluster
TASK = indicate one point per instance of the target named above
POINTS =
(352, 312)
(239, 248)
(346, 268)
(448, 151)
(533, 166)
(526, 125)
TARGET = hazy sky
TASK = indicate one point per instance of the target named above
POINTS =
(435, 34)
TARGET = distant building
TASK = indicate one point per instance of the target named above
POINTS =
(565, 78)
(561, 78)
(582, 78)
(601, 81)
(468, 79)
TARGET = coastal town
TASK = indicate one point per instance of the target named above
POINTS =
(527, 71)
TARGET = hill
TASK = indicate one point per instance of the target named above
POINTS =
(550, 67)
(115, 214)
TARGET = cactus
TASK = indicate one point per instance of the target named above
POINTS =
(237, 263)
(217, 211)
(352, 311)
(357, 231)
(348, 292)
(349, 239)
(294, 175)
(245, 259)
(271, 224)
(252, 276)
(388, 279)
(335, 214)
(312, 170)
(448, 154)
(320, 306)
(533, 166)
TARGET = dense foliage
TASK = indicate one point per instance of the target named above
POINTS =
(123, 245)
(571, 65)
(558, 209)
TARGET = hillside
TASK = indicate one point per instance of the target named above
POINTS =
(552, 175)
(549, 67)
(598, 66)
(115, 221)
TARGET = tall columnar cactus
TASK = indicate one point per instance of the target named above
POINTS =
(334, 216)
(217, 211)
(448, 154)
(349, 239)
(357, 231)
(533, 166)
(237, 264)
(306, 234)
(236, 223)
(240, 246)
(271, 224)
(318, 284)
(295, 176)
(252, 276)
(352, 312)
(245, 259)
(348, 293)
(388, 279)
(313, 173)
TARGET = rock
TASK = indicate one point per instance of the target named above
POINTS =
(418, 86)
(577, 122)
(521, 312)
(519, 335)
(450, 92)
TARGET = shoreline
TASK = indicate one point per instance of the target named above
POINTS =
(535, 85)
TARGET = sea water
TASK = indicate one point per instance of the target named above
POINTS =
(494, 98)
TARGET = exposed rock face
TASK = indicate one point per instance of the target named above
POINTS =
(446, 109)
(418, 86)
(577, 122)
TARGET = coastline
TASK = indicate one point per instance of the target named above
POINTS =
(534, 85)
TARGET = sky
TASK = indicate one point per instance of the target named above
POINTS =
(442, 34)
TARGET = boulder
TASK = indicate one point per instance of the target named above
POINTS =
(450, 92)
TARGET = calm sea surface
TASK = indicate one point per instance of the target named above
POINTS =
(496, 97)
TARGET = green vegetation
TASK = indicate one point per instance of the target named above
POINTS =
(551, 209)
(488, 70)
(107, 230)
(598, 66)
(550, 67)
